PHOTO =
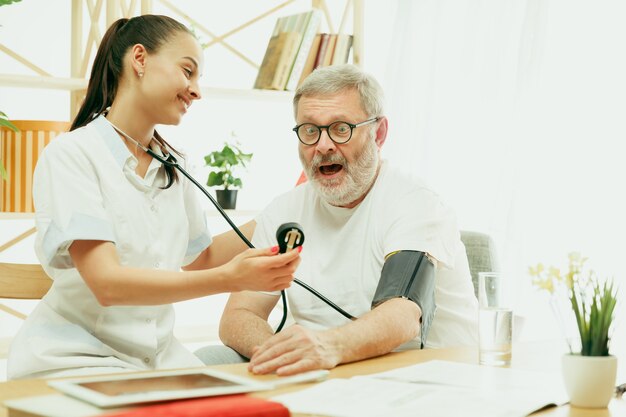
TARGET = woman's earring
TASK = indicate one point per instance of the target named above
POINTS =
(140, 74)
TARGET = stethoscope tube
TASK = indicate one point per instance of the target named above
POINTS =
(171, 161)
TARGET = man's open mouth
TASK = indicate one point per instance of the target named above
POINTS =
(330, 169)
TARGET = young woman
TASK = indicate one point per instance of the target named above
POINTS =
(115, 226)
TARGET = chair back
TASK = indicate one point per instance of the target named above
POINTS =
(23, 281)
(20, 281)
(481, 254)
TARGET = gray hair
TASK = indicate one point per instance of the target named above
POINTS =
(336, 78)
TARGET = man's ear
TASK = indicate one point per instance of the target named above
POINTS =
(138, 55)
(381, 132)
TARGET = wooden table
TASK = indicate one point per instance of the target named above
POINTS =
(530, 356)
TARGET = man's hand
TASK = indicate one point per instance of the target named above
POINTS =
(295, 350)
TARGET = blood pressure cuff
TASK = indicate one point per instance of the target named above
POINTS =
(409, 275)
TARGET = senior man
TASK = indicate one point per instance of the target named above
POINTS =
(381, 245)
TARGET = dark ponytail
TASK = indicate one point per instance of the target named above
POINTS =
(104, 78)
(152, 31)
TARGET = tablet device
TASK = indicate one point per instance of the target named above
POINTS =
(134, 388)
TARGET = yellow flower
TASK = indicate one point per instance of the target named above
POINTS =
(535, 271)
(544, 284)
(574, 257)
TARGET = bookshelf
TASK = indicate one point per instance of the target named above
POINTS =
(99, 15)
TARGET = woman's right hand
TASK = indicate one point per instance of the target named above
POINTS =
(262, 270)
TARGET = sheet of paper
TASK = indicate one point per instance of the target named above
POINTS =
(435, 388)
(485, 378)
(370, 397)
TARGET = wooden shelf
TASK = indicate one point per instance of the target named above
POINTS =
(249, 94)
(4, 215)
(36, 81)
(77, 84)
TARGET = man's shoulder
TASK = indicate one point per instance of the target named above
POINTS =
(297, 194)
(293, 199)
(290, 206)
(398, 182)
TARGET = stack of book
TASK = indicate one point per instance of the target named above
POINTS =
(296, 49)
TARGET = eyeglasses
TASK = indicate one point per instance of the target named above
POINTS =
(339, 132)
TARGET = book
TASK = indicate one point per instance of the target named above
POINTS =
(309, 29)
(342, 49)
(310, 60)
(279, 54)
(330, 49)
(225, 406)
(58, 405)
(321, 51)
(278, 60)
(287, 51)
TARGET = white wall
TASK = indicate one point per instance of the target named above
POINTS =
(41, 32)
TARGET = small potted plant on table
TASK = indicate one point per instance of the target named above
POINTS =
(224, 162)
(589, 375)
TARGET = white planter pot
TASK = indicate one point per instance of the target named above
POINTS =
(589, 380)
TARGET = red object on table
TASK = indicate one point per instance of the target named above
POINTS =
(222, 406)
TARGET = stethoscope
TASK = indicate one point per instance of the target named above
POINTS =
(169, 160)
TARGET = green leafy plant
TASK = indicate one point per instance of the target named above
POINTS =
(592, 301)
(6, 2)
(5, 122)
(224, 163)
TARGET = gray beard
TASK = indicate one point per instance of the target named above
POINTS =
(358, 179)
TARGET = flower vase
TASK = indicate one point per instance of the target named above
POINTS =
(589, 380)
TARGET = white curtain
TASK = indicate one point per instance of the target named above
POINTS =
(514, 112)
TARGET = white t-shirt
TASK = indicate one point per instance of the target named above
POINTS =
(344, 251)
(85, 187)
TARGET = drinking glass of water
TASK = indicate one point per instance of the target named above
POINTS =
(495, 320)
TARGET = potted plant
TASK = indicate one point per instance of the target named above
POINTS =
(589, 374)
(224, 162)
